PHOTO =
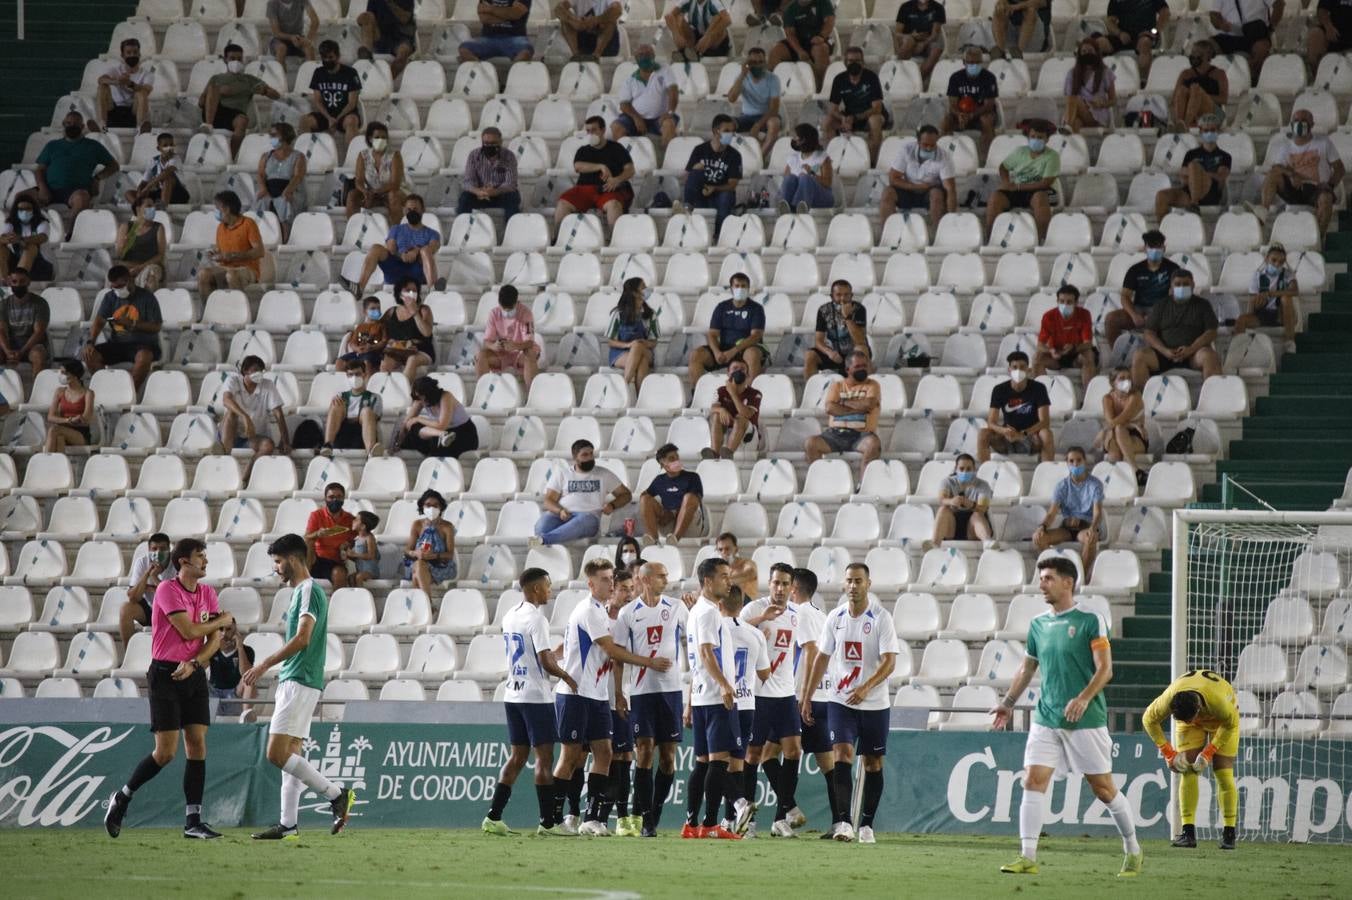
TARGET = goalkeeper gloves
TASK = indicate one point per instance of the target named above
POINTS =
(1173, 759)
(1203, 761)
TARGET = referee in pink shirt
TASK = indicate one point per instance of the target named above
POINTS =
(185, 632)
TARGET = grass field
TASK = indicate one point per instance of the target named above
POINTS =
(407, 864)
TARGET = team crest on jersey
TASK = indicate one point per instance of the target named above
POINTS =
(868, 626)
(783, 638)
(854, 651)
(203, 616)
(1070, 632)
(654, 634)
(666, 614)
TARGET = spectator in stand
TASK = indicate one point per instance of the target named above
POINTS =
(408, 327)
(964, 504)
(856, 103)
(576, 498)
(353, 421)
(365, 551)
(841, 329)
(1145, 284)
(1272, 297)
(713, 172)
(590, 27)
(71, 170)
(919, 32)
(1066, 337)
(429, 555)
(24, 317)
(1077, 502)
(437, 423)
(1181, 332)
(699, 28)
(237, 260)
(921, 177)
(1306, 171)
(389, 27)
(378, 179)
(160, 181)
(132, 317)
(123, 95)
(502, 29)
(142, 244)
(1123, 436)
(148, 568)
(294, 25)
(1134, 25)
(628, 554)
(281, 176)
(509, 339)
(807, 174)
(674, 502)
(736, 331)
(734, 415)
(1206, 168)
(648, 99)
(1019, 420)
(490, 177)
(1246, 26)
(363, 347)
(633, 332)
(71, 412)
(326, 531)
(758, 90)
(808, 28)
(972, 92)
(251, 404)
(1017, 13)
(1027, 177)
(604, 169)
(1330, 32)
(409, 251)
(1200, 89)
(335, 93)
(852, 407)
(24, 233)
(227, 102)
(227, 667)
(1090, 90)
(742, 571)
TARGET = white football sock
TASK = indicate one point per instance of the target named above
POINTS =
(300, 767)
(1030, 821)
(1121, 812)
(291, 787)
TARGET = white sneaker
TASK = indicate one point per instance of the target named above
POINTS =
(569, 825)
(743, 819)
(796, 818)
(866, 835)
(725, 824)
(594, 829)
(782, 829)
(750, 833)
(843, 832)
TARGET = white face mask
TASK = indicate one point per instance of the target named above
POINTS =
(356, 382)
(598, 141)
(379, 143)
(234, 66)
(740, 294)
(62, 379)
(1018, 376)
(410, 296)
(253, 378)
(1124, 385)
(122, 293)
(432, 513)
(629, 558)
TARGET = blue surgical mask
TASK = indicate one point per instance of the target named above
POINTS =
(1182, 292)
(1154, 254)
(974, 69)
(373, 314)
(1067, 309)
(1209, 137)
(1273, 270)
(924, 155)
(964, 477)
(275, 142)
(1076, 471)
(1037, 145)
(219, 218)
(25, 215)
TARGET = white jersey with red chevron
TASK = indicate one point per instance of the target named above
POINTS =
(657, 630)
(785, 636)
(856, 645)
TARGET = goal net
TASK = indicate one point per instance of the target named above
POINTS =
(1262, 599)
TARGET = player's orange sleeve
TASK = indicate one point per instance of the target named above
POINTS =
(1099, 643)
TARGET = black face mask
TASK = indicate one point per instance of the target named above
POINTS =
(74, 131)
(859, 374)
(414, 217)
(796, 145)
(132, 61)
(19, 290)
(1195, 61)
(586, 465)
(1089, 59)
(738, 377)
(333, 506)
(854, 68)
(491, 150)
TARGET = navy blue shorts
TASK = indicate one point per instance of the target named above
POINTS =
(581, 720)
(744, 720)
(621, 735)
(657, 716)
(531, 724)
(393, 269)
(717, 729)
(865, 728)
(626, 122)
(776, 718)
(817, 736)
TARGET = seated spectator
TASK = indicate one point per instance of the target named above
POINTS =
(363, 347)
(1272, 297)
(24, 317)
(807, 174)
(437, 423)
(921, 177)
(1133, 25)
(1306, 171)
(841, 330)
(409, 251)
(408, 327)
(736, 331)
(919, 32)
(389, 27)
(713, 173)
(227, 102)
(1200, 89)
(1027, 178)
(1123, 437)
(132, 317)
(71, 170)
(327, 530)
(648, 99)
(1020, 418)
(490, 177)
(1146, 283)
(292, 34)
(972, 92)
(160, 181)
(628, 554)
(742, 571)
(353, 421)
(1066, 337)
(735, 413)
(856, 103)
(22, 237)
(1330, 31)
(1246, 26)
(237, 259)
(502, 32)
(142, 245)
(251, 404)
(673, 502)
(1206, 168)
(964, 504)
(509, 339)
(429, 555)
(123, 95)
(1179, 332)
(281, 177)
(1076, 513)
(809, 26)
(699, 28)
(148, 568)
(604, 169)
(577, 497)
(365, 552)
(1017, 13)
(378, 179)
(633, 332)
(590, 27)
(226, 670)
(758, 90)
(71, 412)
(335, 93)
(1090, 90)
(852, 407)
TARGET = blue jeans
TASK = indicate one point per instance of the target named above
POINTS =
(554, 530)
(805, 189)
(723, 201)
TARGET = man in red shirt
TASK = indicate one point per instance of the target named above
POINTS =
(1066, 337)
(326, 531)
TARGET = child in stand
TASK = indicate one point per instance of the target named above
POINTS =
(364, 554)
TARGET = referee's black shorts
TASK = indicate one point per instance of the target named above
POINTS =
(174, 704)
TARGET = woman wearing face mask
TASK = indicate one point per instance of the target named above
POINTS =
(1090, 91)
(1201, 88)
(633, 332)
(963, 503)
(807, 174)
(379, 177)
(437, 423)
(628, 554)
(1123, 434)
(142, 244)
(1272, 297)
(363, 347)
(408, 325)
(71, 411)
(24, 232)
(281, 173)
(429, 555)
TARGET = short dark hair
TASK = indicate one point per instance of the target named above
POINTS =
(1060, 565)
(709, 567)
(805, 581)
(165, 136)
(751, 50)
(623, 574)
(286, 545)
(186, 547)
(286, 131)
(1070, 289)
(1185, 705)
(1182, 272)
(666, 450)
(967, 456)
(329, 46)
(252, 362)
(842, 282)
(723, 119)
(373, 127)
(509, 293)
(782, 567)
(332, 485)
(496, 132)
(430, 494)
(118, 272)
(1075, 448)
(1153, 238)
(1017, 356)
(595, 120)
(74, 367)
(740, 276)
(158, 537)
(129, 42)
(230, 200)
(369, 519)
(859, 565)
(530, 576)
(735, 599)
(232, 48)
(926, 129)
(579, 445)
(727, 536)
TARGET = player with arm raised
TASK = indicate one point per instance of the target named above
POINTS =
(751, 662)
(1070, 725)
(1206, 733)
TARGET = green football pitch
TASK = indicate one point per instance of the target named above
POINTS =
(405, 864)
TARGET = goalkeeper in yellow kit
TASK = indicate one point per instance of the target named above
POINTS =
(1206, 732)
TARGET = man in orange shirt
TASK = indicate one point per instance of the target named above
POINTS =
(1066, 337)
(237, 259)
(326, 531)
(852, 407)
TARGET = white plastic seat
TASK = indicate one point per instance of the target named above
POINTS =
(971, 708)
(1296, 714)
(375, 657)
(91, 655)
(999, 571)
(63, 688)
(1261, 668)
(945, 663)
(1169, 484)
(972, 617)
(920, 696)
(463, 613)
(1322, 668)
(460, 690)
(941, 570)
(485, 661)
(33, 654)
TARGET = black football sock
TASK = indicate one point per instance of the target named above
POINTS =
(749, 779)
(829, 776)
(661, 788)
(844, 788)
(575, 791)
(699, 780)
(145, 770)
(788, 786)
(501, 794)
(713, 790)
(597, 783)
(194, 784)
(558, 794)
(643, 791)
(619, 787)
(873, 792)
(773, 774)
(544, 797)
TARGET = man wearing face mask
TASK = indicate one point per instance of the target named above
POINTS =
(1145, 285)
(972, 92)
(673, 500)
(237, 260)
(227, 102)
(409, 251)
(736, 331)
(577, 497)
(1027, 177)
(964, 500)
(353, 421)
(335, 92)
(713, 172)
(133, 320)
(24, 316)
(1077, 502)
(758, 90)
(509, 339)
(604, 169)
(857, 103)
(648, 99)
(1206, 168)
(590, 27)
(1066, 337)
(699, 28)
(921, 177)
(852, 407)
(123, 96)
(249, 402)
(490, 178)
(326, 531)
(1179, 332)
(1306, 171)
(840, 331)
(71, 169)
(1019, 420)
(735, 413)
(148, 568)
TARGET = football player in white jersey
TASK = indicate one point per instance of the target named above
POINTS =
(584, 712)
(654, 625)
(751, 662)
(816, 736)
(530, 712)
(712, 712)
(621, 733)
